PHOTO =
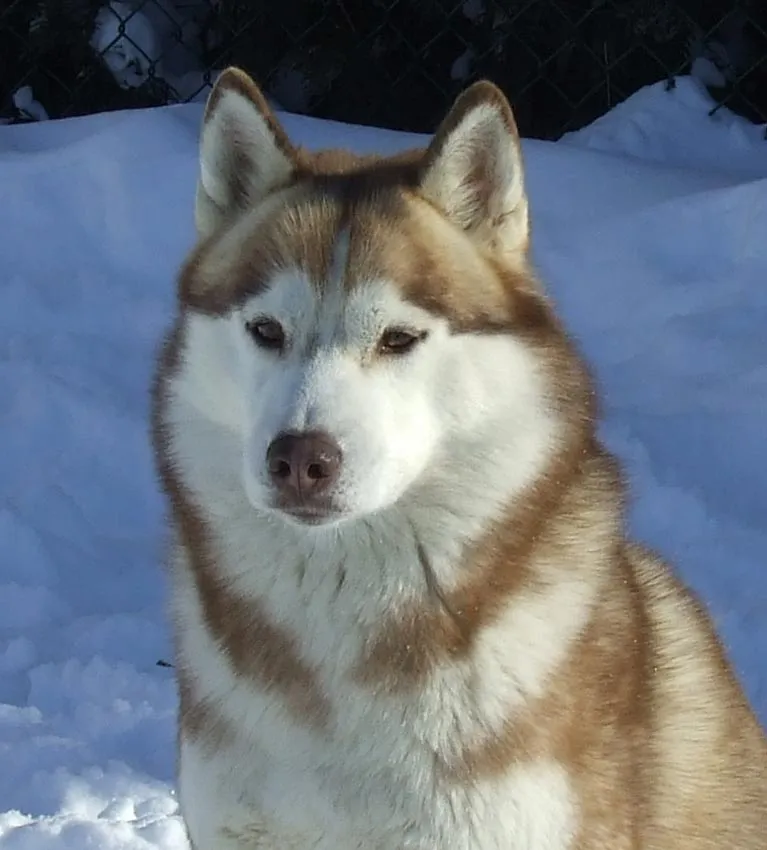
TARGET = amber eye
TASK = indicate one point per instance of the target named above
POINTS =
(400, 340)
(266, 333)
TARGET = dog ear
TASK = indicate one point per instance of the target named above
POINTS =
(473, 169)
(244, 151)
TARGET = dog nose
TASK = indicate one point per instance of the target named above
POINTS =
(302, 466)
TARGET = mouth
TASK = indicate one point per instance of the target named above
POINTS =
(311, 515)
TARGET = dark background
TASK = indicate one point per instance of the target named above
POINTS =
(392, 63)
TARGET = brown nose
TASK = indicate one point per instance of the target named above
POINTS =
(303, 466)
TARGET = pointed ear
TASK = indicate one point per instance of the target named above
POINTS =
(473, 169)
(244, 151)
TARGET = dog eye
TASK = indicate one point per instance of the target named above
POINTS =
(400, 340)
(266, 333)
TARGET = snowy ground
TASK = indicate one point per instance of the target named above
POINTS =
(649, 227)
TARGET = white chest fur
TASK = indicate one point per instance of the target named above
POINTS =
(370, 776)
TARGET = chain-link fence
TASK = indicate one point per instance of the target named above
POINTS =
(391, 63)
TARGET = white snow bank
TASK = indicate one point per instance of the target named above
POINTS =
(676, 128)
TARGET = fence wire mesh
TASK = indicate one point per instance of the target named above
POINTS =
(391, 63)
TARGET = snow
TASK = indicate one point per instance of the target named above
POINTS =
(649, 230)
(28, 107)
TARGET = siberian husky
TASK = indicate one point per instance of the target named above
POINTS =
(407, 616)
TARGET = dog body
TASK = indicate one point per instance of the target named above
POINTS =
(406, 613)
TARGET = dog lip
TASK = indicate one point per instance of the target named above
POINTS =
(307, 515)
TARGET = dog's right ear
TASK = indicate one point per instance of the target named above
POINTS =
(244, 151)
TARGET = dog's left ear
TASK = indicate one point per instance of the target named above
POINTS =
(473, 169)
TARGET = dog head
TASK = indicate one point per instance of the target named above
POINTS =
(361, 332)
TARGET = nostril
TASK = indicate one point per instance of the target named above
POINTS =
(280, 469)
(315, 471)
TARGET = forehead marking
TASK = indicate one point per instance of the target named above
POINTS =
(339, 266)
(330, 289)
